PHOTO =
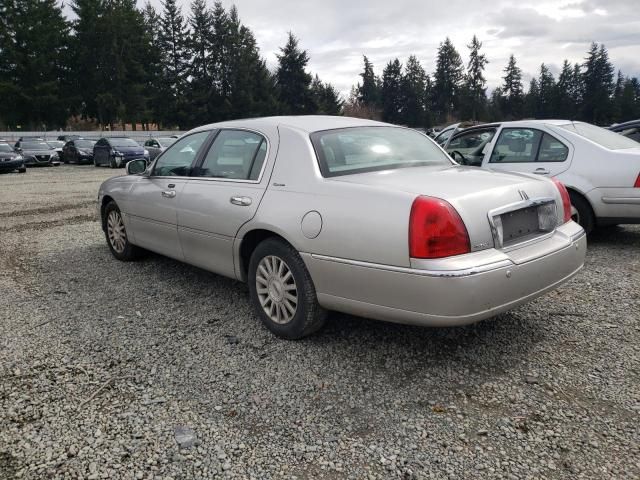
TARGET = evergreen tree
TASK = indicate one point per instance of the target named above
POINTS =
(33, 63)
(200, 67)
(532, 99)
(496, 105)
(392, 92)
(447, 80)
(369, 92)
(292, 80)
(565, 99)
(172, 37)
(414, 94)
(512, 90)
(546, 106)
(630, 100)
(598, 86)
(326, 97)
(475, 81)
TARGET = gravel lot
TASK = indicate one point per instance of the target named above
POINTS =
(107, 368)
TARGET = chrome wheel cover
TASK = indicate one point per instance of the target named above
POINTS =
(115, 231)
(276, 289)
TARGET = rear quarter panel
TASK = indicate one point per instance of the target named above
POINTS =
(359, 222)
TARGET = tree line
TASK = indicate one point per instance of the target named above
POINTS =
(116, 64)
(407, 94)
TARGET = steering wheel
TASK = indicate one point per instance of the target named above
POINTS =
(463, 159)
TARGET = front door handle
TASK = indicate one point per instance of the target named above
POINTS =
(541, 171)
(169, 194)
(242, 201)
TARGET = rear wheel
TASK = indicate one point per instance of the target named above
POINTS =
(112, 163)
(22, 170)
(581, 212)
(282, 291)
(116, 235)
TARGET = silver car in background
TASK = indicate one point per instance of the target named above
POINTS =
(331, 213)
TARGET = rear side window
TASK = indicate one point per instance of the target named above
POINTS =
(368, 149)
(522, 145)
(235, 155)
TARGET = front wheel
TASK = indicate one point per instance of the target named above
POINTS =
(581, 212)
(282, 291)
(22, 170)
(116, 235)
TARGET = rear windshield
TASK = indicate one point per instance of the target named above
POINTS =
(604, 138)
(35, 146)
(123, 142)
(368, 149)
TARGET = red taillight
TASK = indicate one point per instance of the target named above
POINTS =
(637, 184)
(566, 200)
(436, 229)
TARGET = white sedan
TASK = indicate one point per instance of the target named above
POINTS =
(600, 168)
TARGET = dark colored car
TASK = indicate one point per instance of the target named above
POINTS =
(157, 145)
(37, 153)
(78, 151)
(67, 138)
(10, 160)
(57, 146)
(117, 151)
(629, 129)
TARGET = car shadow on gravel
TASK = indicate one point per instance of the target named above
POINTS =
(615, 236)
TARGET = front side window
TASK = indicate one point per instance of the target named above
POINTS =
(368, 149)
(523, 145)
(236, 155)
(177, 159)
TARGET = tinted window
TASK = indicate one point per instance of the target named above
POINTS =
(604, 138)
(552, 150)
(367, 149)
(177, 159)
(235, 154)
(123, 142)
(516, 145)
(5, 148)
(35, 146)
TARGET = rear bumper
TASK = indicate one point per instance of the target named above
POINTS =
(463, 294)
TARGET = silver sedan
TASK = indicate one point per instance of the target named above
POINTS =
(332, 213)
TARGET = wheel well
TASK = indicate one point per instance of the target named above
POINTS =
(577, 193)
(249, 243)
(105, 200)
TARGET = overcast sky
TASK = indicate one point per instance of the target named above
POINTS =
(336, 33)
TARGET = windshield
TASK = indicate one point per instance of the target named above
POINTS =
(368, 149)
(123, 142)
(604, 138)
(5, 148)
(35, 146)
(56, 143)
(85, 143)
(166, 141)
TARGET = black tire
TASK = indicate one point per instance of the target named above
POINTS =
(125, 252)
(95, 163)
(309, 316)
(585, 215)
(22, 170)
(112, 163)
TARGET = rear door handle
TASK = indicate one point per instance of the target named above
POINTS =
(169, 194)
(242, 201)
(541, 171)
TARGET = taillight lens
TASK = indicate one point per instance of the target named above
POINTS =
(566, 200)
(436, 229)
(637, 184)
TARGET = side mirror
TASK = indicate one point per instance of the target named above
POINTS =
(135, 167)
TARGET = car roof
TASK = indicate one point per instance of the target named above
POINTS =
(306, 123)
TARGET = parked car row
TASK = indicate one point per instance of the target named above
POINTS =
(113, 152)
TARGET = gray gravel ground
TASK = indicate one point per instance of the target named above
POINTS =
(105, 367)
